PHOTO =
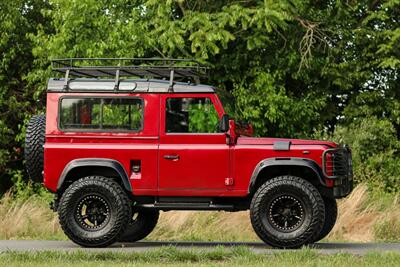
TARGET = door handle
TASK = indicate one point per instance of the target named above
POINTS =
(171, 157)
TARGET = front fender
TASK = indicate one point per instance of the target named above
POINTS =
(303, 162)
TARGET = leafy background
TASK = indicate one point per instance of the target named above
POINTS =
(309, 69)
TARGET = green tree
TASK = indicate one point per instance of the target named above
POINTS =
(18, 18)
(294, 67)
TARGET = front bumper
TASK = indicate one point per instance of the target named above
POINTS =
(343, 189)
(337, 165)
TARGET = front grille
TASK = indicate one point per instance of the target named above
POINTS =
(337, 163)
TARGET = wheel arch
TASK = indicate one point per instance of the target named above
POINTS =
(273, 167)
(79, 168)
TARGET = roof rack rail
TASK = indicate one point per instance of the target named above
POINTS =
(164, 68)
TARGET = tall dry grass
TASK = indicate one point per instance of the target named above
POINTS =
(361, 219)
(204, 226)
(28, 218)
(364, 219)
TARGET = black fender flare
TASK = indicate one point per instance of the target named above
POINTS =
(302, 162)
(96, 162)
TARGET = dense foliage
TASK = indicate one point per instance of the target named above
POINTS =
(294, 67)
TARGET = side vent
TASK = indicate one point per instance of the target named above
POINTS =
(282, 145)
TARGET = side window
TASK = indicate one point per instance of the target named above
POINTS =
(101, 114)
(191, 115)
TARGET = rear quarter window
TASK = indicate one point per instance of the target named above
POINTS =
(101, 114)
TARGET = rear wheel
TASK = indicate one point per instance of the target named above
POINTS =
(331, 213)
(287, 212)
(93, 211)
(141, 225)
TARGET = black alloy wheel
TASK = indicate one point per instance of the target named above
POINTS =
(287, 212)
(94, 211)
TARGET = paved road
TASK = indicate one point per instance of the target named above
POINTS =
(324, 248)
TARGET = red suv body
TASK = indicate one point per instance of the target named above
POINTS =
(205, 159)
(170, 145)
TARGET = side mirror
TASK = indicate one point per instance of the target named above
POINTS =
(224, 123)
(244, 128)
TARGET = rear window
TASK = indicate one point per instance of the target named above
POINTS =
(101, 114)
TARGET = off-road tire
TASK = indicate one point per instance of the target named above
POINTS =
(141, 225)
(115, 200)
(305, 196)
(34, 141)
(331, 213)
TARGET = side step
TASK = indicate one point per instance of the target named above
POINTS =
(186, 206)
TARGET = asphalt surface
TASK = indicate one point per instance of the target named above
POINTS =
(323, 248)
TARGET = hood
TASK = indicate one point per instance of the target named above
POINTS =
(270, 141)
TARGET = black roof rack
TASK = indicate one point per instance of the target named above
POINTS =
(164, 68)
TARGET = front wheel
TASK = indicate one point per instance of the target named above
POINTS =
(287, 212)
(93, 211)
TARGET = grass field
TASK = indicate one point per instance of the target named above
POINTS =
(170, 256)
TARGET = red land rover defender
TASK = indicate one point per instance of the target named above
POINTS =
(116, 147)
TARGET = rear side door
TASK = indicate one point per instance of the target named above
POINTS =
(193, 154)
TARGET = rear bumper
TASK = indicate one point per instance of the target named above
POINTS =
(337, 165)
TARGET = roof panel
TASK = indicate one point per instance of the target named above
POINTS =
(125, 85)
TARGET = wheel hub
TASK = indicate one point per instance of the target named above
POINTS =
(93, 212)
(286, 213)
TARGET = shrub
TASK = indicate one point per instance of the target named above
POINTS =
(376, 152)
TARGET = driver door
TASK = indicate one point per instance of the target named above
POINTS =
(193, 154)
